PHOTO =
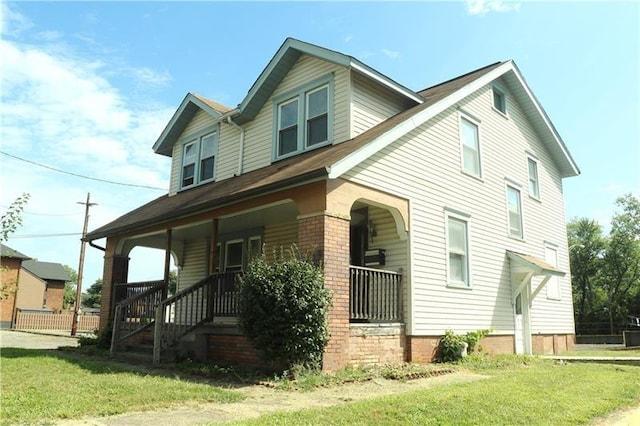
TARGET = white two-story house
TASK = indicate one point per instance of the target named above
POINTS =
(430, 210)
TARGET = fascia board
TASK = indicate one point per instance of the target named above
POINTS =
(347, 163)
(556, 137)
(384, 80)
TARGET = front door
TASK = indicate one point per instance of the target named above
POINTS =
(519, 329)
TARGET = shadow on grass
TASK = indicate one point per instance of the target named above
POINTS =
(99, 362)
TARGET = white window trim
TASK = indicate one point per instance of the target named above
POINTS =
(503, 93)
(301, 94)
(554, 279)
(468, 117)
(533, 159)
(226, 253)
(518, 188)
(455, 214)
(197, 140)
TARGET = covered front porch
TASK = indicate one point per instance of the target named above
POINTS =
(359, 236)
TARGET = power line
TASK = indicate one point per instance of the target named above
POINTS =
(4, 206)
(46, 235)
(81, 176)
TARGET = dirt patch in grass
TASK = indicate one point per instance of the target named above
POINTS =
(264, 399)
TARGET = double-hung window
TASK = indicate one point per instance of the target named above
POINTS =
(514, 206)
(499, 100)
(198, 159)
(534, 182)
(470, 141)
(302, 120)
(553, 285)
(458, 251)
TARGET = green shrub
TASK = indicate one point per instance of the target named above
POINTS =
(284, 307)
(451, 346)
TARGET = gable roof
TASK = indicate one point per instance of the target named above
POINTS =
(286, 57)
(331, 161)
(46, 270)
(442, 96)
(6, 251)
(191, 104)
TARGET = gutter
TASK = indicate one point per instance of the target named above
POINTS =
(241, 148)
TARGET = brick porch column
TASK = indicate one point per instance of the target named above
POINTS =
(116, 271)
(328, 237)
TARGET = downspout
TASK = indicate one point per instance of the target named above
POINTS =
(241, 150)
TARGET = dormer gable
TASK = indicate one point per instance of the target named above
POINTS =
(190, 105)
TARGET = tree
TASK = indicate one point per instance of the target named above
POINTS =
(12, 218)
(586, 248)
(620, 273)
(173, 281)
(93, 296)
(69, 298)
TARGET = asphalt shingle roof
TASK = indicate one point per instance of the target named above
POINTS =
(46, 270)
(6, 251)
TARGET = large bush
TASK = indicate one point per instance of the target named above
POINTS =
(284, 307)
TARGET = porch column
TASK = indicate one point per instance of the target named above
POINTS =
(116, 271)
(167, 262)
(327, 237)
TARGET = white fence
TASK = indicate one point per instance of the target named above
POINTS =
(45, 321)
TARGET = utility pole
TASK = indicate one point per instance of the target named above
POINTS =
(76, 307)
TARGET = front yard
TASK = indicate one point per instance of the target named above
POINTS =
(40, 386)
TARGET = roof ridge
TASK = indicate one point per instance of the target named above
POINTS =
(420, 92)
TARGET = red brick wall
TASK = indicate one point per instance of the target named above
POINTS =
(54, 296)
(552, 344)
(421, 349)
(329, 236)
(8, 282)
(372, 345)
(236, 350)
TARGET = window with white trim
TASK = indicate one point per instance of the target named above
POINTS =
(553, 285)
(233, 255)
(514, 205)
(470, 141)
(499, 100)
(534, 182)
(458, 251)
(302, 120)
(198, 159)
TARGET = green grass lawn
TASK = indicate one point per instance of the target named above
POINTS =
(43, 384)
(519, 391)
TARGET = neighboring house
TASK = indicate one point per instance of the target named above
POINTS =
(10, 262)
(430, 210)
(41, 286)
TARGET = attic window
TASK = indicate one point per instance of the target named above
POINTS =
(499, 100)
(302, 118)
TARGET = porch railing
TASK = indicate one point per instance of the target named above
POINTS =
(136, 313)
(192, 307)
(127, 290)
(375, 295)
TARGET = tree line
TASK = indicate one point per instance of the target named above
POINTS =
(605, 269)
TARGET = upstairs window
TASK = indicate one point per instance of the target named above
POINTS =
(553, 285)
(515, 212)
(470, 141)
(499, 100)
(302, 119)
(198, 159)
(534, 183)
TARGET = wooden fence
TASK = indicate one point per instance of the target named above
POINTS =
(45, 321)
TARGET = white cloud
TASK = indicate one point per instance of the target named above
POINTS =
(482, 7)
(391, 53)
(12, 23)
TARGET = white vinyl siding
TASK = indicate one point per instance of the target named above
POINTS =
(372, 104)
(427, 162)
(194, 264)
(386, 238)
(279, 235)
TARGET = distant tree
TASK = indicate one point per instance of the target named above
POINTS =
(93, 296)
(586, 248)
(620, 273)
(69, 298)
(173, 281)
(12, 218)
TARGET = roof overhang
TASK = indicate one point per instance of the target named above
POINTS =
(537, 115)
(190, 105)
(283, 61)
(527, 264)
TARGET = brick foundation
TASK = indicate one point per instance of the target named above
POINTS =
(376, 344)
(552, 344)
(229, 347)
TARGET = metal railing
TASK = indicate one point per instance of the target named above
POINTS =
(136, 313)
(375, 295)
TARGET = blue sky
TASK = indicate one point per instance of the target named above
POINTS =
(88, 87)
